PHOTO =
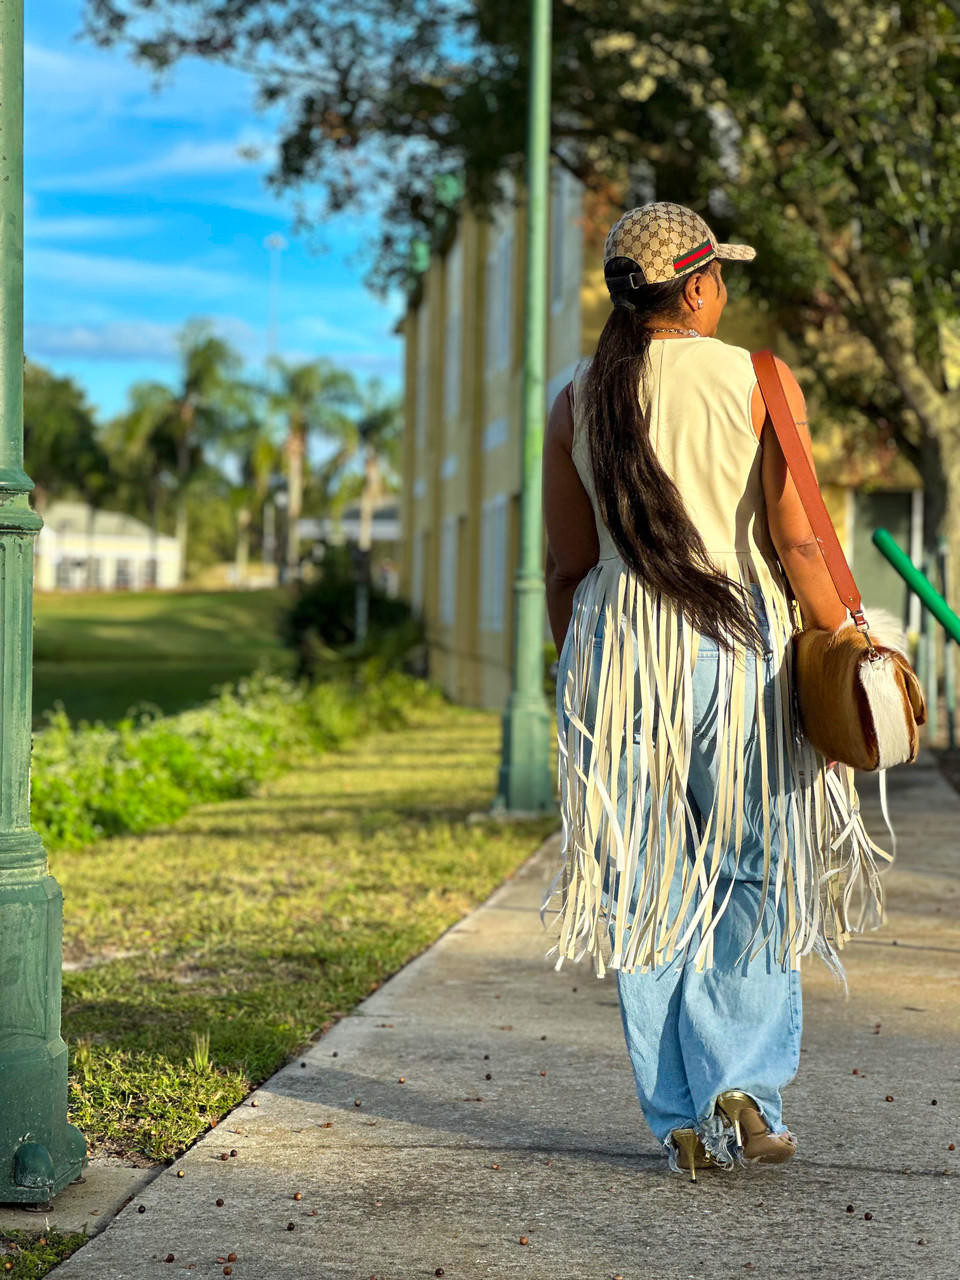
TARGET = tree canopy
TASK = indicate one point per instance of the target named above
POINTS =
(824, 132)
(793, 119)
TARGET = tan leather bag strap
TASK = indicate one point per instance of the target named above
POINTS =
(774, 397)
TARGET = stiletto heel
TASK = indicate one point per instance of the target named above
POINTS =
(686, 1142)
(754, 1137)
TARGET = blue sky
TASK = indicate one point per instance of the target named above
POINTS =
(142, 213)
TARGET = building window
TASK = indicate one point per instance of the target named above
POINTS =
(150, 572)
(505, 300)
(495, 434)
(448, 571)
(64, 575)
(558, 213)
(493, 550)
(453, 354)
(499, 294)
(123, 576)
(423, 386)
(416, 573)
(94, 574)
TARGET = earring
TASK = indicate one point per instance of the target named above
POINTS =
(699, 302)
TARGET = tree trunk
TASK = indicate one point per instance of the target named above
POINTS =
(950, 452)
(243, 545)
(181, 532)
(372, 489)
(91, 517)
(153, 530)
(296, 445)
(187, 414)
(268, 546)
(889, 321)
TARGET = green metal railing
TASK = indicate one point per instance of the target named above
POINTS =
(935, 609)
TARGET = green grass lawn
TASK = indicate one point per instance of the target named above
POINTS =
(256, 923)
(101, 653)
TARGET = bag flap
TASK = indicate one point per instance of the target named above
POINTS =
(918, 704)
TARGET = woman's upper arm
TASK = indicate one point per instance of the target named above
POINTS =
(572, 546)
(789, 526)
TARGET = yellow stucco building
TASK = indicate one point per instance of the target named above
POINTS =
(462, 459)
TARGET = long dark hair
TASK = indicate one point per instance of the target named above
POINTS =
(639, 503)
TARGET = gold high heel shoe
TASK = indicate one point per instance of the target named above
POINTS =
(697, 1156)
(755, 1140)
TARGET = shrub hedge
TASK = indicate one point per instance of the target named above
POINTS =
(93, 780)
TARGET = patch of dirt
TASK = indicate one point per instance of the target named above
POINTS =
(77, 963)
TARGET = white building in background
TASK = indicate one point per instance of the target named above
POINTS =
(346, 528)
(82, 548)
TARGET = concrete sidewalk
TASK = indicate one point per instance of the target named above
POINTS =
(450, 1126)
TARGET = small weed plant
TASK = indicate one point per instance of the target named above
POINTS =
(200, 1053)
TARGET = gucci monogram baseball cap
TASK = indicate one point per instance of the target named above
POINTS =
(665, 241)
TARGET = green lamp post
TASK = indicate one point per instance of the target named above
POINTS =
(39, 1152)
(526, 782)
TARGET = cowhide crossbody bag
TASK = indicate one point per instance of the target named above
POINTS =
(860, 701)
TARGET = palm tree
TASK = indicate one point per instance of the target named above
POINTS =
(375, 437)
(314, 398)
(168, 428)
(253, 446)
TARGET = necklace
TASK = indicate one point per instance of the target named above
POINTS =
(685, 333)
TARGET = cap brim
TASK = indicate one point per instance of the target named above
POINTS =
(736, 252)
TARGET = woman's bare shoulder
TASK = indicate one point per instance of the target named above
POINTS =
(560, 420)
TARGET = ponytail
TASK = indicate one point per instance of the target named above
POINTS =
(639, 503)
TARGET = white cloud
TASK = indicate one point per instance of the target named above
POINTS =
(376, 318)
(99, 272)
(52, 77)
(186, 159)
(88, 228)
(193, 91)
(386, 365)
(134, 341)
(124, 340)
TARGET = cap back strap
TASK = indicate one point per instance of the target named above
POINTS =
(634, 280)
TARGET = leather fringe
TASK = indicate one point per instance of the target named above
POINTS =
(826, 881)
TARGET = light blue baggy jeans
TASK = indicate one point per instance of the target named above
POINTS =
(737, 1025)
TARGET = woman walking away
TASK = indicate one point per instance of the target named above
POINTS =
(706, 846)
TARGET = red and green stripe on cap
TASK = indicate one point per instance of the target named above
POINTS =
(691, 258)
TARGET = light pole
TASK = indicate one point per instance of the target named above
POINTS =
(39, 1152)
(526, 777)
(269, 548)
(280, 544)
(275, 245)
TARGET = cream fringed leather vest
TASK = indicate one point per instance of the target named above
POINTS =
(698, 393)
